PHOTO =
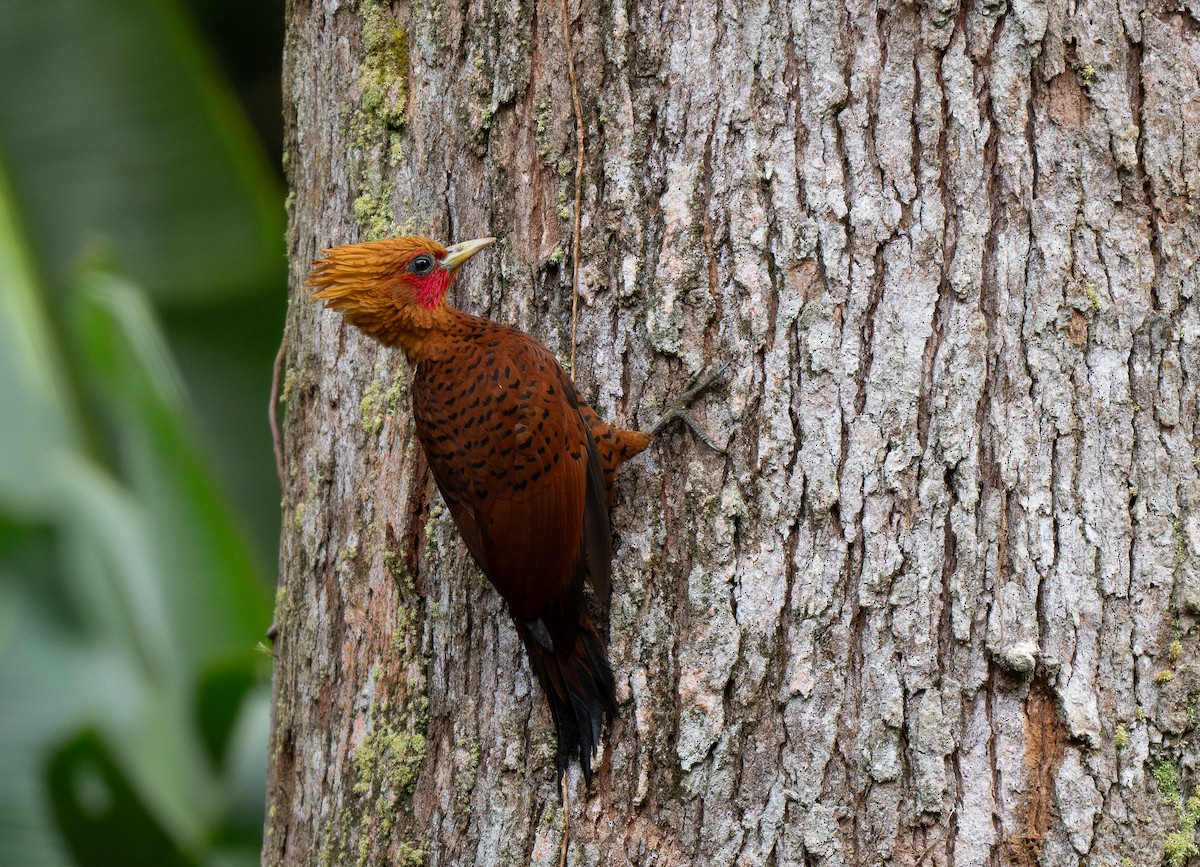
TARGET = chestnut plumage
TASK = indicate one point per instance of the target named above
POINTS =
(525, 466)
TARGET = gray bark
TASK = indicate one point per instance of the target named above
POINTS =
(936, 603)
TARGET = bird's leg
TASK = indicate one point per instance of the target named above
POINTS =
(562, 860)
(677, 411)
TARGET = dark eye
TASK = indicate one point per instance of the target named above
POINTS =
(421, 265)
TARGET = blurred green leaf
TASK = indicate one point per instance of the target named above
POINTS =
(117, 126)
(154, 575)
(94, 803)
(28, 548)
(219, 697)
(216, 595)
(119, 132)
(36, 418)
(108, 552)
(226, 355)
(130, 597)
(151, 623)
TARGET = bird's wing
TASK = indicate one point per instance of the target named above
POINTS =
(518, 467)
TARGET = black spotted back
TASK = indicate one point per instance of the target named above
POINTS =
(502, 430)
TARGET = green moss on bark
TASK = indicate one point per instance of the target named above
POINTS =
(384, 78)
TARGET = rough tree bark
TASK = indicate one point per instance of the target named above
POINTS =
(936, 603)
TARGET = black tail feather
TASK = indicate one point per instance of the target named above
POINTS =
(579, 687)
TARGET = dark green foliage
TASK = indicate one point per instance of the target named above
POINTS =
(95, 804)
(141, 302)
(223, 687)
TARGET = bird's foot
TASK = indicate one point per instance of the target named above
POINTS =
(677, 411)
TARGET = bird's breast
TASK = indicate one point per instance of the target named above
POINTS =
(495, 420)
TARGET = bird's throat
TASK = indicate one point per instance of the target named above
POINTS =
(423, 333)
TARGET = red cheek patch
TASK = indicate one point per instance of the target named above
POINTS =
(432, 288)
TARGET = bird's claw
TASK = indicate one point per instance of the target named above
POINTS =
(675, 413)
(700, 382)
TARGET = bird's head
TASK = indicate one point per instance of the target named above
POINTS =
(386, 288)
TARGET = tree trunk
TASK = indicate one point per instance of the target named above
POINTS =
(935, 603)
